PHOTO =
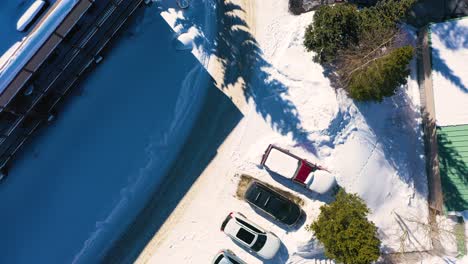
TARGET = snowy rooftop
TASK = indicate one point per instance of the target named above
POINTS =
(449, 42)
(21, 52)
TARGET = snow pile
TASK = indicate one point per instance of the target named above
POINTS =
(10, 67)
(449, 42)
(6, 56)
(29, 15)
(186, 35)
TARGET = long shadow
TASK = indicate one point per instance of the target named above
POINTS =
(452, 163)
(206, 136)
(312, 250)
(441, 66)
(393, 122)
(454, 36)
(242, 59)
(194, 157)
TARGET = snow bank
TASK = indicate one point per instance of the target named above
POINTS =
(6, 56)
(30, 44)
(186, 37)
(29, 15)
(449, 42)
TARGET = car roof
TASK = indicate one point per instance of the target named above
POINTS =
(256, 188)
(227, 257)
(238, 221)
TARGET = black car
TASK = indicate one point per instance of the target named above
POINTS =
(273, 203)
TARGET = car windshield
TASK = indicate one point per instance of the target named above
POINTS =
(245, 236)
(251, 227)
(261, 239)
(218, 259)
(233, 261)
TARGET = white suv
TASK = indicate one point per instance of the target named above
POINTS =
(250, 235)
(226, 256)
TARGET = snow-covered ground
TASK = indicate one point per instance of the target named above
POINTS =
(375, 150)
(449, 43)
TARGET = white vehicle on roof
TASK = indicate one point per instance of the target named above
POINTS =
(299, 170)
(250, 235)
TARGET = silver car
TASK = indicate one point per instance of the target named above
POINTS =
(226, 256)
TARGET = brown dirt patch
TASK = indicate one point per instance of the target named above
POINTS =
(245, 181)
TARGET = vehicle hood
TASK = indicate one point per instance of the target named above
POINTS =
(271, 246)
(322, 182)
(293, 215)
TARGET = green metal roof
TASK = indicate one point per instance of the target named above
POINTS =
(453, 159)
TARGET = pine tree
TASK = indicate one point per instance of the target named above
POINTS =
(342, 227)
(334, 28)
(358, 44)
(382, 76)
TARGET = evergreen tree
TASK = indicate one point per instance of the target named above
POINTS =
(384, 15)
(342, 227)
(359, 43)
(334, 28)
(382, 76)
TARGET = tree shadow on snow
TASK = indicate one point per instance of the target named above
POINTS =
(453, 173)
(243, 62)
(440, 65)
(396, 123)
(312, 250)
(198, 150)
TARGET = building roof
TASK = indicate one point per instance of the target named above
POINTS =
(449, 50)
(32, 43)
(453, 160)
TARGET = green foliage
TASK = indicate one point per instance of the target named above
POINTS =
(334, 28)
(381, 77)
(359, 44)
(384, 15)
(342, 227)
(341, 26)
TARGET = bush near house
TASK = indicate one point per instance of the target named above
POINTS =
(343, 228)
(358, 44)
